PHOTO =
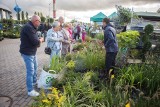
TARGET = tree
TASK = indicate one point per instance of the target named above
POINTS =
(18, 16)
(35, 13)
(43, 19)
(148, 30)
(124, 14)
(22, 15)
(73, 21)
(41, 15)
(27, 15)
(38, 14)
(50, 20)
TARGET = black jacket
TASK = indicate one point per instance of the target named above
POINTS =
(110, 40)
(29, 39)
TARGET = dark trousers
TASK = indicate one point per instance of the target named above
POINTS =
(110, 61)
(75, 35)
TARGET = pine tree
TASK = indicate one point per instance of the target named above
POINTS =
(38, 14)
(35, 13)
(22, 15)
(41, 15)
(18, 16)
(27, 15)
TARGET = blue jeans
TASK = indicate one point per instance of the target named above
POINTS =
(31, 70)
(55, 53)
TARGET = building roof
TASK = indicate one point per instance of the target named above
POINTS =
(4, 7)
(149, 15)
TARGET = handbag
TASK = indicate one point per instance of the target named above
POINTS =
(47, 50)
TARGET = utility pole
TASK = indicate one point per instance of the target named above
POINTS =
(54, 9)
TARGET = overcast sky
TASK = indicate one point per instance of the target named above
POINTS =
(81, 9)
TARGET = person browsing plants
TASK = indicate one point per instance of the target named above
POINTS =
(111, 47)
(28, 48)
(54, 40)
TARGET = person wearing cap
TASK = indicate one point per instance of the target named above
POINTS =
(54, 40)
(111, 46)
(28, 48)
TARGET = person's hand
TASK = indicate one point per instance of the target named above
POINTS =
(41, 40)
(72, 40)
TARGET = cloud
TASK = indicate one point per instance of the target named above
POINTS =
(84, 5)
(74, 5)
(79, 8)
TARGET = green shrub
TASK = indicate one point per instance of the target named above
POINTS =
(100, 36)
(128, 39)
(146, 40)
(56, 64)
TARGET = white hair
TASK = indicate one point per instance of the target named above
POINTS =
(34, 18)
(55, 24)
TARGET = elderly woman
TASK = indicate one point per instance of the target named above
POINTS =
(54, 40)
(66, 39)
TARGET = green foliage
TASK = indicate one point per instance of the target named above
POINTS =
(11, 34)
(128, 39)
(78, 46)
(18, 16)
(22, 15)
(144, 77)
(27, 15)
(54, 99)
(148, 29)
(1, 35)
(94, 57)
(73, 21)
(100, 36)
(136, 84)
(146, 40)
(124, 14)
(88, 39)
(7, 24)
(68, 57)
(41, 15)
(38, 14)
(90, 57)
(50, 20)
(56, 64)
(43, 19)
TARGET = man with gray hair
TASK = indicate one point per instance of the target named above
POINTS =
(28, 48)
(54, 40)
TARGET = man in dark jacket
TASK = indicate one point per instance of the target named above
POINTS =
(111, 46)
(28, 47)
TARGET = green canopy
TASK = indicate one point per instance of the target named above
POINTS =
(98, 18)
(113, 15)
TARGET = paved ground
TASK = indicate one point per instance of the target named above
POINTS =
(12, 72)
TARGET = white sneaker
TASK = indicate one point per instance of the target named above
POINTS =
(33, 93)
